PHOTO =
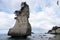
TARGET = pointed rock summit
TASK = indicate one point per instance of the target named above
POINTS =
(22, 26)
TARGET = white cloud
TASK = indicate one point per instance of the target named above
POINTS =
(6, 20)
(15, 4)
(43, 19)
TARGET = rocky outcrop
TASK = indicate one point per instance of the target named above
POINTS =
(55, 30)
(22, 26)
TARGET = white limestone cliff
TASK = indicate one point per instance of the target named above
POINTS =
(22, 26)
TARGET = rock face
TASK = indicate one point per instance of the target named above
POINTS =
(55, 30)
(22, 26)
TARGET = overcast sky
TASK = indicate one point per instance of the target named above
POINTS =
(44, 14)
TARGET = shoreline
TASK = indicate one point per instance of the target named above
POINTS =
(32, 37)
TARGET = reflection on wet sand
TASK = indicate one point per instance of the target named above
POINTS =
(56, 37)
(10, 38)
(32, 37)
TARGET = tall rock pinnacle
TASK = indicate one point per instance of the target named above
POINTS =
(22, 26)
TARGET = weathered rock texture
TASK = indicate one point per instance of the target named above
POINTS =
(22, 26)
(55, 30)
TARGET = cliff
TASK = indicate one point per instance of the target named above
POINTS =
(22, 26)
(54, 30)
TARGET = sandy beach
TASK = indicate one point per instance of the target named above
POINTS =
(32, 37)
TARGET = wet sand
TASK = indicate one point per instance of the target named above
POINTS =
(32, 37)
(56, 37)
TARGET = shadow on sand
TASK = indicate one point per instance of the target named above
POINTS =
(18, 38)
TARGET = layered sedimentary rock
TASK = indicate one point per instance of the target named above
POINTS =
(55, 30)
(22, 26)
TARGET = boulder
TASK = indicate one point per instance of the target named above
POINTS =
(22, 26)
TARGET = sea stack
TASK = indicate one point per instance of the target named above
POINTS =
(22, 27)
